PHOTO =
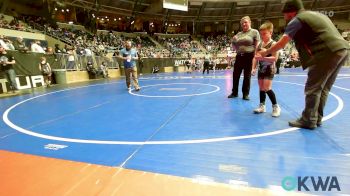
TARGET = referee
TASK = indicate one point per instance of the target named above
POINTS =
(322, 50)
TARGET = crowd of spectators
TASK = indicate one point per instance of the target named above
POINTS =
(13, 24)
(99, 44)
(84, 43)
(22, 45)
(216, 44)
(179, 46)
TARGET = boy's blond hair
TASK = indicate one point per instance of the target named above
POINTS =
(266, 26)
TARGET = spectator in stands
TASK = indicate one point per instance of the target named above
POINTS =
(20, 45)
(188, 66)
(88, 53)
(45, 69)
(104, 70)
(2, 42)
(216, 62)
(155, 69)
(129, 55)
(5, 24)
(66, 49)
(278, 62)
(245, 43)
(49, 50)
(7, 62)
(294, 56)
(9, 44)
(140, 63)
(70, 60)
(293, 60)
(36, 47)
(230, 58)
(91, 70)
(80, 50)
(198, 64)
(58, 50)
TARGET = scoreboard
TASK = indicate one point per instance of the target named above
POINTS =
(176, 4)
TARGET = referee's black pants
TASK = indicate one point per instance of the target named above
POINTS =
(243, 63)
(206, 67)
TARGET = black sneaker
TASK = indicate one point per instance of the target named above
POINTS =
(232, 96)
(300, 124)
(246, 97)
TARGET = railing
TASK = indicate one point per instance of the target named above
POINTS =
(73, 62)
(171, 35)
(110, 63)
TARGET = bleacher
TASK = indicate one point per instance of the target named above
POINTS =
(179, 45)
(77, 47)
